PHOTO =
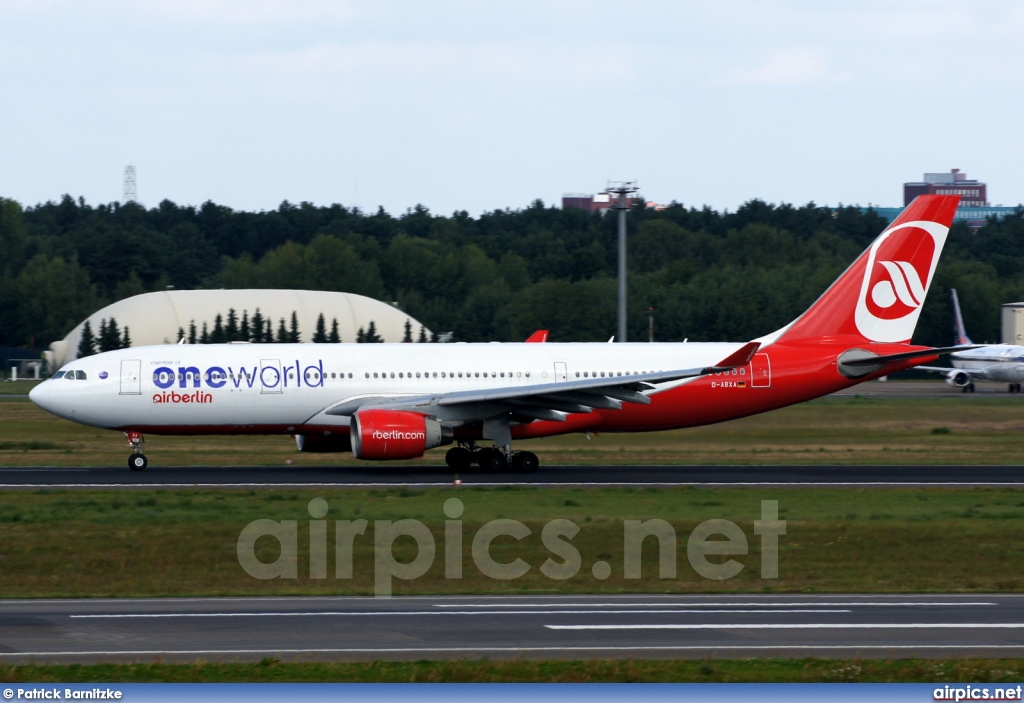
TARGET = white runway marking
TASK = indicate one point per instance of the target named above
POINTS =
(806, 626)
(432, 612)
(695, 605)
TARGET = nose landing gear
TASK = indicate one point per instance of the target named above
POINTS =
(137, 461)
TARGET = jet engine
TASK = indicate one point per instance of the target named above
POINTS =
(384, 435)
(958, 379)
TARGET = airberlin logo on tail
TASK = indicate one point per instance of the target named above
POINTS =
(899, 293)
(899, 269)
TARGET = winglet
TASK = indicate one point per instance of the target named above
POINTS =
(740, 357)
(538, 337)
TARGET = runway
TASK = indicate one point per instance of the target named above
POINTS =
(663, 626)
(424, 476)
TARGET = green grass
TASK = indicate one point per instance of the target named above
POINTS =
(834, 431)
(996, 671)
(184, 542)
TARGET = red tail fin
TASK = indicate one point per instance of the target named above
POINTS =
(879, 297)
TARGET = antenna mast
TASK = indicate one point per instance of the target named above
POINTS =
(130, 194)
(623, 189)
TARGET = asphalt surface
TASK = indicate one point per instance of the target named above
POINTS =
(406, 475)
(240, 629)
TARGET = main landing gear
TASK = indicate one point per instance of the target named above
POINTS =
(463, 456)
(137, 461)
(1015, 388)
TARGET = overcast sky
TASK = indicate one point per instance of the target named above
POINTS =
(487, 105)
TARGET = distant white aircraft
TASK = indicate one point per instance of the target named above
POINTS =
(1002, 363)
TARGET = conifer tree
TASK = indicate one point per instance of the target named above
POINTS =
(181, 335)
(244, 333)
(407, 337)
(204, 338)
(217, 336)
(371, 334)
(87, 344)
(110, 335)
(423, 335)
(361, 336)
(320, 335)
(126, 340)
(257, 326)
(231, 328)
(293, 330)
(282, 333)
(192, 332)
(334, 337)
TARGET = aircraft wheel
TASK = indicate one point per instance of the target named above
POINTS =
(491, 460)
(525, 462)
(971, 387)
(459, 458)
(138, 462)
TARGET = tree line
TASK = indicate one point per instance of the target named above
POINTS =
(708, 275)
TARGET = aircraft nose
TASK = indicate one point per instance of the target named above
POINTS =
(40, 394)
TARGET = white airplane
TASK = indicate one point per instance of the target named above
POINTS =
(395, 401)
(1003, 363)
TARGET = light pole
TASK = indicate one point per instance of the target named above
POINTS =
(623, 189)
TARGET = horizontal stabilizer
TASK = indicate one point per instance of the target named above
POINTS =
(903, 356)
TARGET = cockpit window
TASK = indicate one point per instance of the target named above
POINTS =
(58, 374)
(79, 375)
(70, 376)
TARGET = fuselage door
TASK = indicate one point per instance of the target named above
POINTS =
(271, 380)
(760, 371)
(131, 377)
(560, 372)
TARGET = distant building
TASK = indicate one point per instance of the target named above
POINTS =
(156, 318)
(972, 193)
(600, 202)
(974, 207)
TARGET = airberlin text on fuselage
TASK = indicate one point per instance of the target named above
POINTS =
(312, 376)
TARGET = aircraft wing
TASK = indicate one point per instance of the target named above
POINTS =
(543, 401)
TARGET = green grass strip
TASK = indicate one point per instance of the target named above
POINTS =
(551, 671)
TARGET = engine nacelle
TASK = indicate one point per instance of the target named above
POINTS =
(323, 445)
(958, 379)
(384, 435)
